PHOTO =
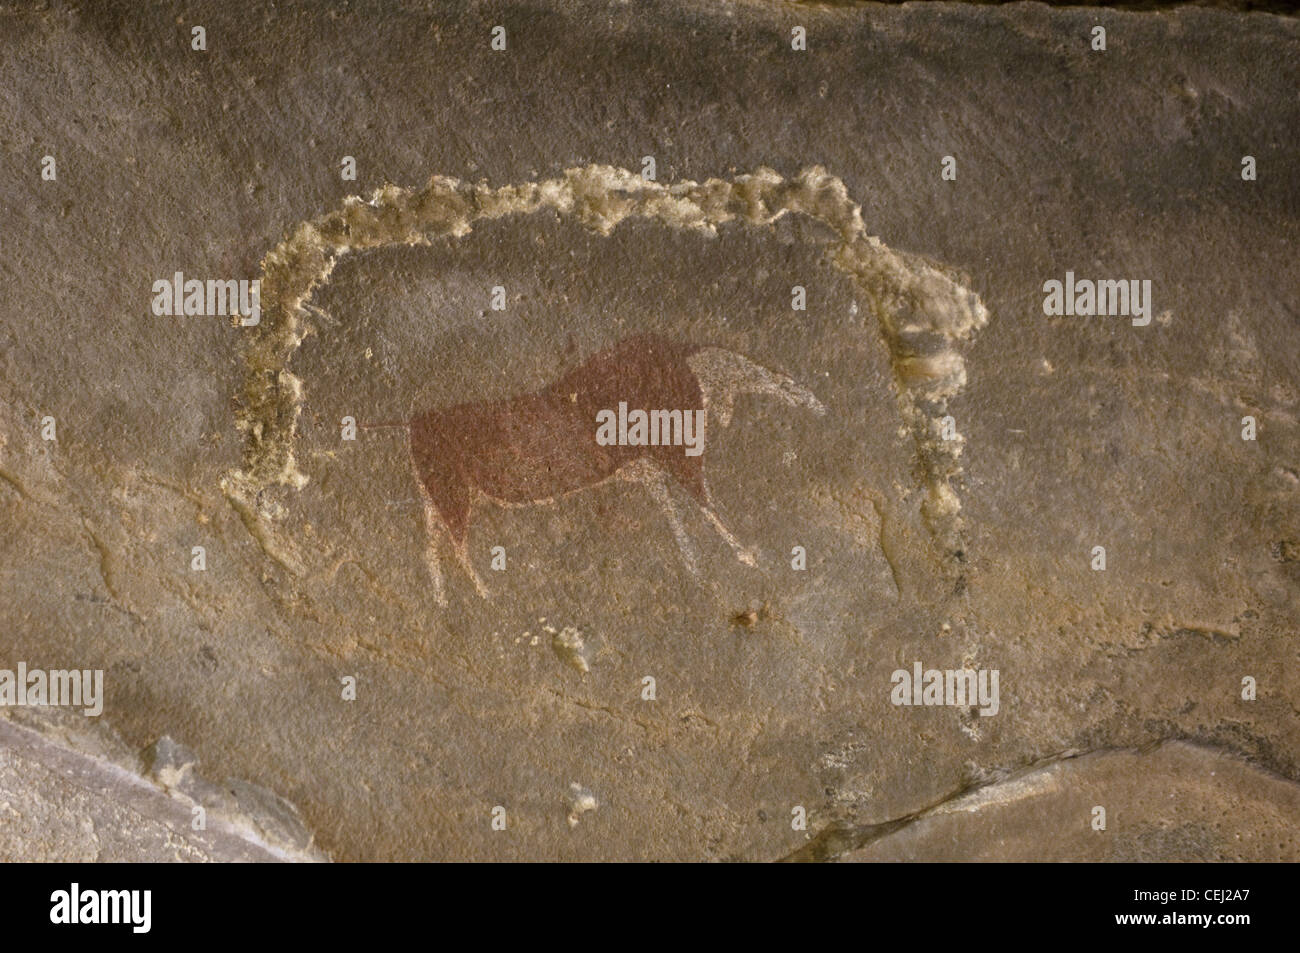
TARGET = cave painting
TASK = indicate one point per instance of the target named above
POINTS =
(638, 411)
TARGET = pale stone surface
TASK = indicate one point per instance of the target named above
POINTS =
(772, 686)
(75, 792)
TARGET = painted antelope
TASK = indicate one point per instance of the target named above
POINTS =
(537, 447)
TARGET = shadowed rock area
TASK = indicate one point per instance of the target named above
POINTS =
(1174, 802)
(917, 466)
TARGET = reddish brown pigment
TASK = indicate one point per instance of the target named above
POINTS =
(541, 445)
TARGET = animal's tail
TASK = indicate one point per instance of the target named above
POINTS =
(725, 374)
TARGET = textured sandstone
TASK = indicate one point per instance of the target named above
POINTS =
(771, 686)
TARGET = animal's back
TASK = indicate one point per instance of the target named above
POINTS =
(543, 444)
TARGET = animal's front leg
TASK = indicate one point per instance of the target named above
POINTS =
(656, 481)
(746, 556)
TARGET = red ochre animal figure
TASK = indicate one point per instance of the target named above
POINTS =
(538, 447)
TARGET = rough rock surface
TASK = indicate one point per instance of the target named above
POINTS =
(75, 792)
(522, 169)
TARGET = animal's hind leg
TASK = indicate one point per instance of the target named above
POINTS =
(436, 527)
(447, 506)
(462, 556)
(432, 558)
